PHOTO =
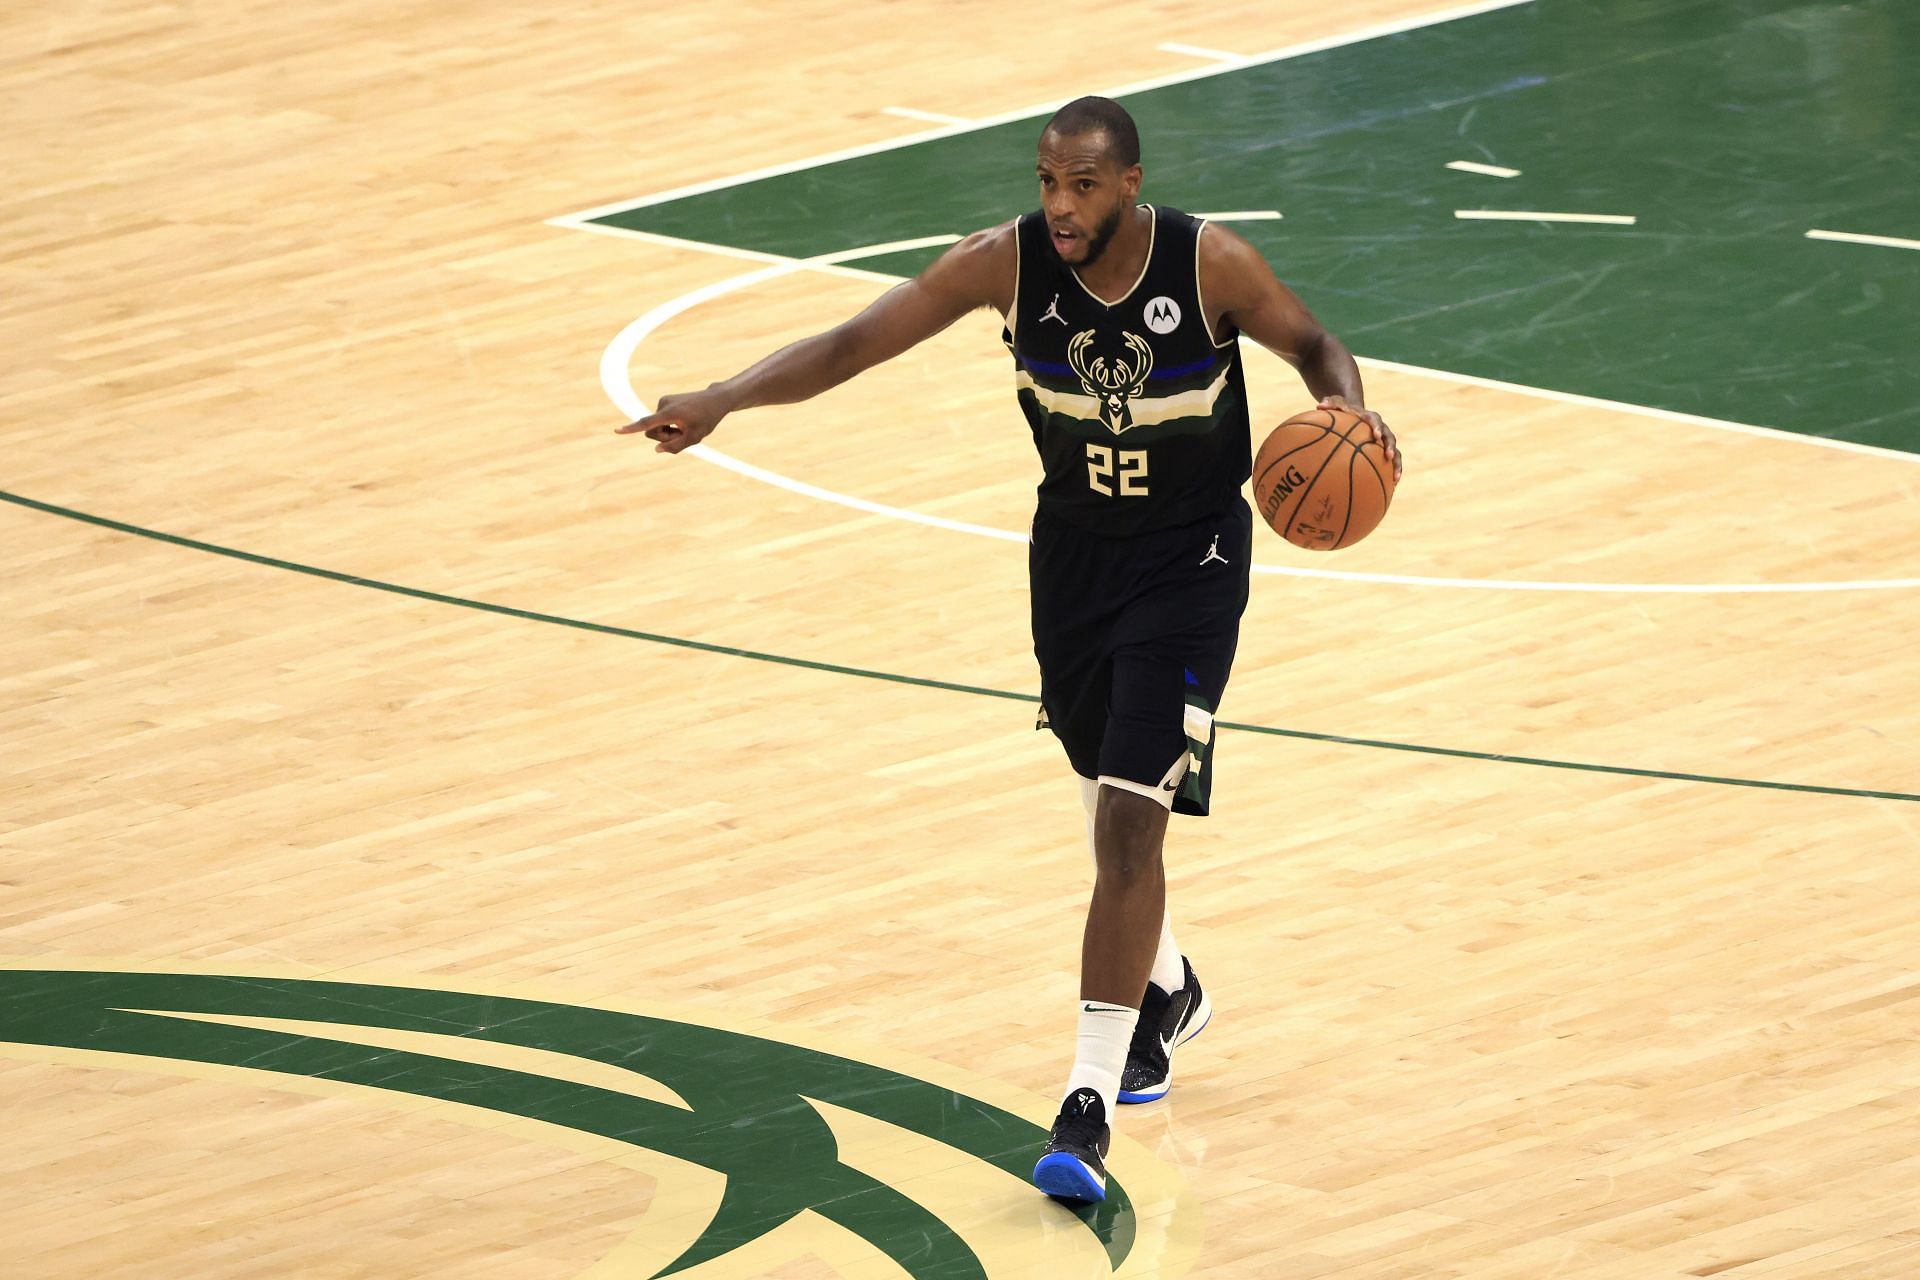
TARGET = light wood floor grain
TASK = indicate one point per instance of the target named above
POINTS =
(279, 279)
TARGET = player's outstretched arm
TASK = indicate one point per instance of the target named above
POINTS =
(977, 272)
(1235, 279)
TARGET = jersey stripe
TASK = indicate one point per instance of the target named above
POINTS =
(1146, 411)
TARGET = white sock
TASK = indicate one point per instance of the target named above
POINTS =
(1101, 1050)
(1090, 801)
(1168, 974)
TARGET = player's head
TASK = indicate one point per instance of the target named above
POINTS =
(1089, 176)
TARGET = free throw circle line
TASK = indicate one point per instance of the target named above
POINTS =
(615, 378)
(618, 357)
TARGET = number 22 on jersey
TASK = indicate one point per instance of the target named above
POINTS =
(1121, 472)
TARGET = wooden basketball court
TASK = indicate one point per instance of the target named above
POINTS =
(1557, 901)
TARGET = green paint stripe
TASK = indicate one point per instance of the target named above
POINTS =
(485, 607)
(1623, 770)
(920, 681)
(749, 1118)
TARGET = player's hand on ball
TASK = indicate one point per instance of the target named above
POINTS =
(680, 422)
(1381, 435)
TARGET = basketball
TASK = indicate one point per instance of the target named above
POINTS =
(1321, 481)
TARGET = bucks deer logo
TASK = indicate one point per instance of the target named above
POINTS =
(754, 1110)
(1113, 384)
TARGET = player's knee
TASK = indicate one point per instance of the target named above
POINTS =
(1128, 833)
(1131, 811)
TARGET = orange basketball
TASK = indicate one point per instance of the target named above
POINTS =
(1321, 481)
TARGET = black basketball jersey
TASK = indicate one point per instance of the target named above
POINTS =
(1139, 415)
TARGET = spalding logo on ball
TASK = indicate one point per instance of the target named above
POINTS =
(1321, 480)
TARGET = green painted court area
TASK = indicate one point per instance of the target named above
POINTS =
(1727, 128)
(744, 1101)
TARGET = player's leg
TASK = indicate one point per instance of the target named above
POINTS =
(1149, 756)
(1129, 898)
(1116, 954)
(1142, 760)
(1121, 711)
(1174, 1007)
(1168, 969)
(1079, 587)
(1171, 663)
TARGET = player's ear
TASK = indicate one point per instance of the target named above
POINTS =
(1131, 181)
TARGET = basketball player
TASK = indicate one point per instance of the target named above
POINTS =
(1123, 320)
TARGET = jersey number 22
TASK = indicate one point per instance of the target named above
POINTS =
(1127, 467)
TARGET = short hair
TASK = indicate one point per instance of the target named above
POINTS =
(1099, 115)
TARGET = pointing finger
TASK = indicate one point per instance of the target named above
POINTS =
(646, 422)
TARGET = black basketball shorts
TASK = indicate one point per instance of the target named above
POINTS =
(1135, 637)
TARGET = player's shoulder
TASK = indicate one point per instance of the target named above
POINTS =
(997, 243)
(982, 266)
(1224, 248)
(1232, 271)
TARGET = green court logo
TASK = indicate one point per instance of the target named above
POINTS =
(750, 1111)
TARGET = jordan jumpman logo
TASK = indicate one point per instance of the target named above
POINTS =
(1213, 552)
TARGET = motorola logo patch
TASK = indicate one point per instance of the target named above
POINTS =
(1163, 315)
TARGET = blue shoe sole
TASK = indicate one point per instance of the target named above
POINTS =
(1131, 1098)
(1060, 1174)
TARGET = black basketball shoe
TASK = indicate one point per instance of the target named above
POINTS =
(1166, 1022)
(1073, 1166)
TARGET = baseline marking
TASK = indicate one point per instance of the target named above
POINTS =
(615, 378)
(1047, 108)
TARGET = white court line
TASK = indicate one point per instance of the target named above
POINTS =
(1243, 215)
(728, 251)
(619, 352)
(1047, 108)
(1196, 51)
(826, 264)
(1534, 215)
(932, 117)
(616, 360)
(1854, 237)
(1491, 170)
(618, 356)
(1642, 410)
